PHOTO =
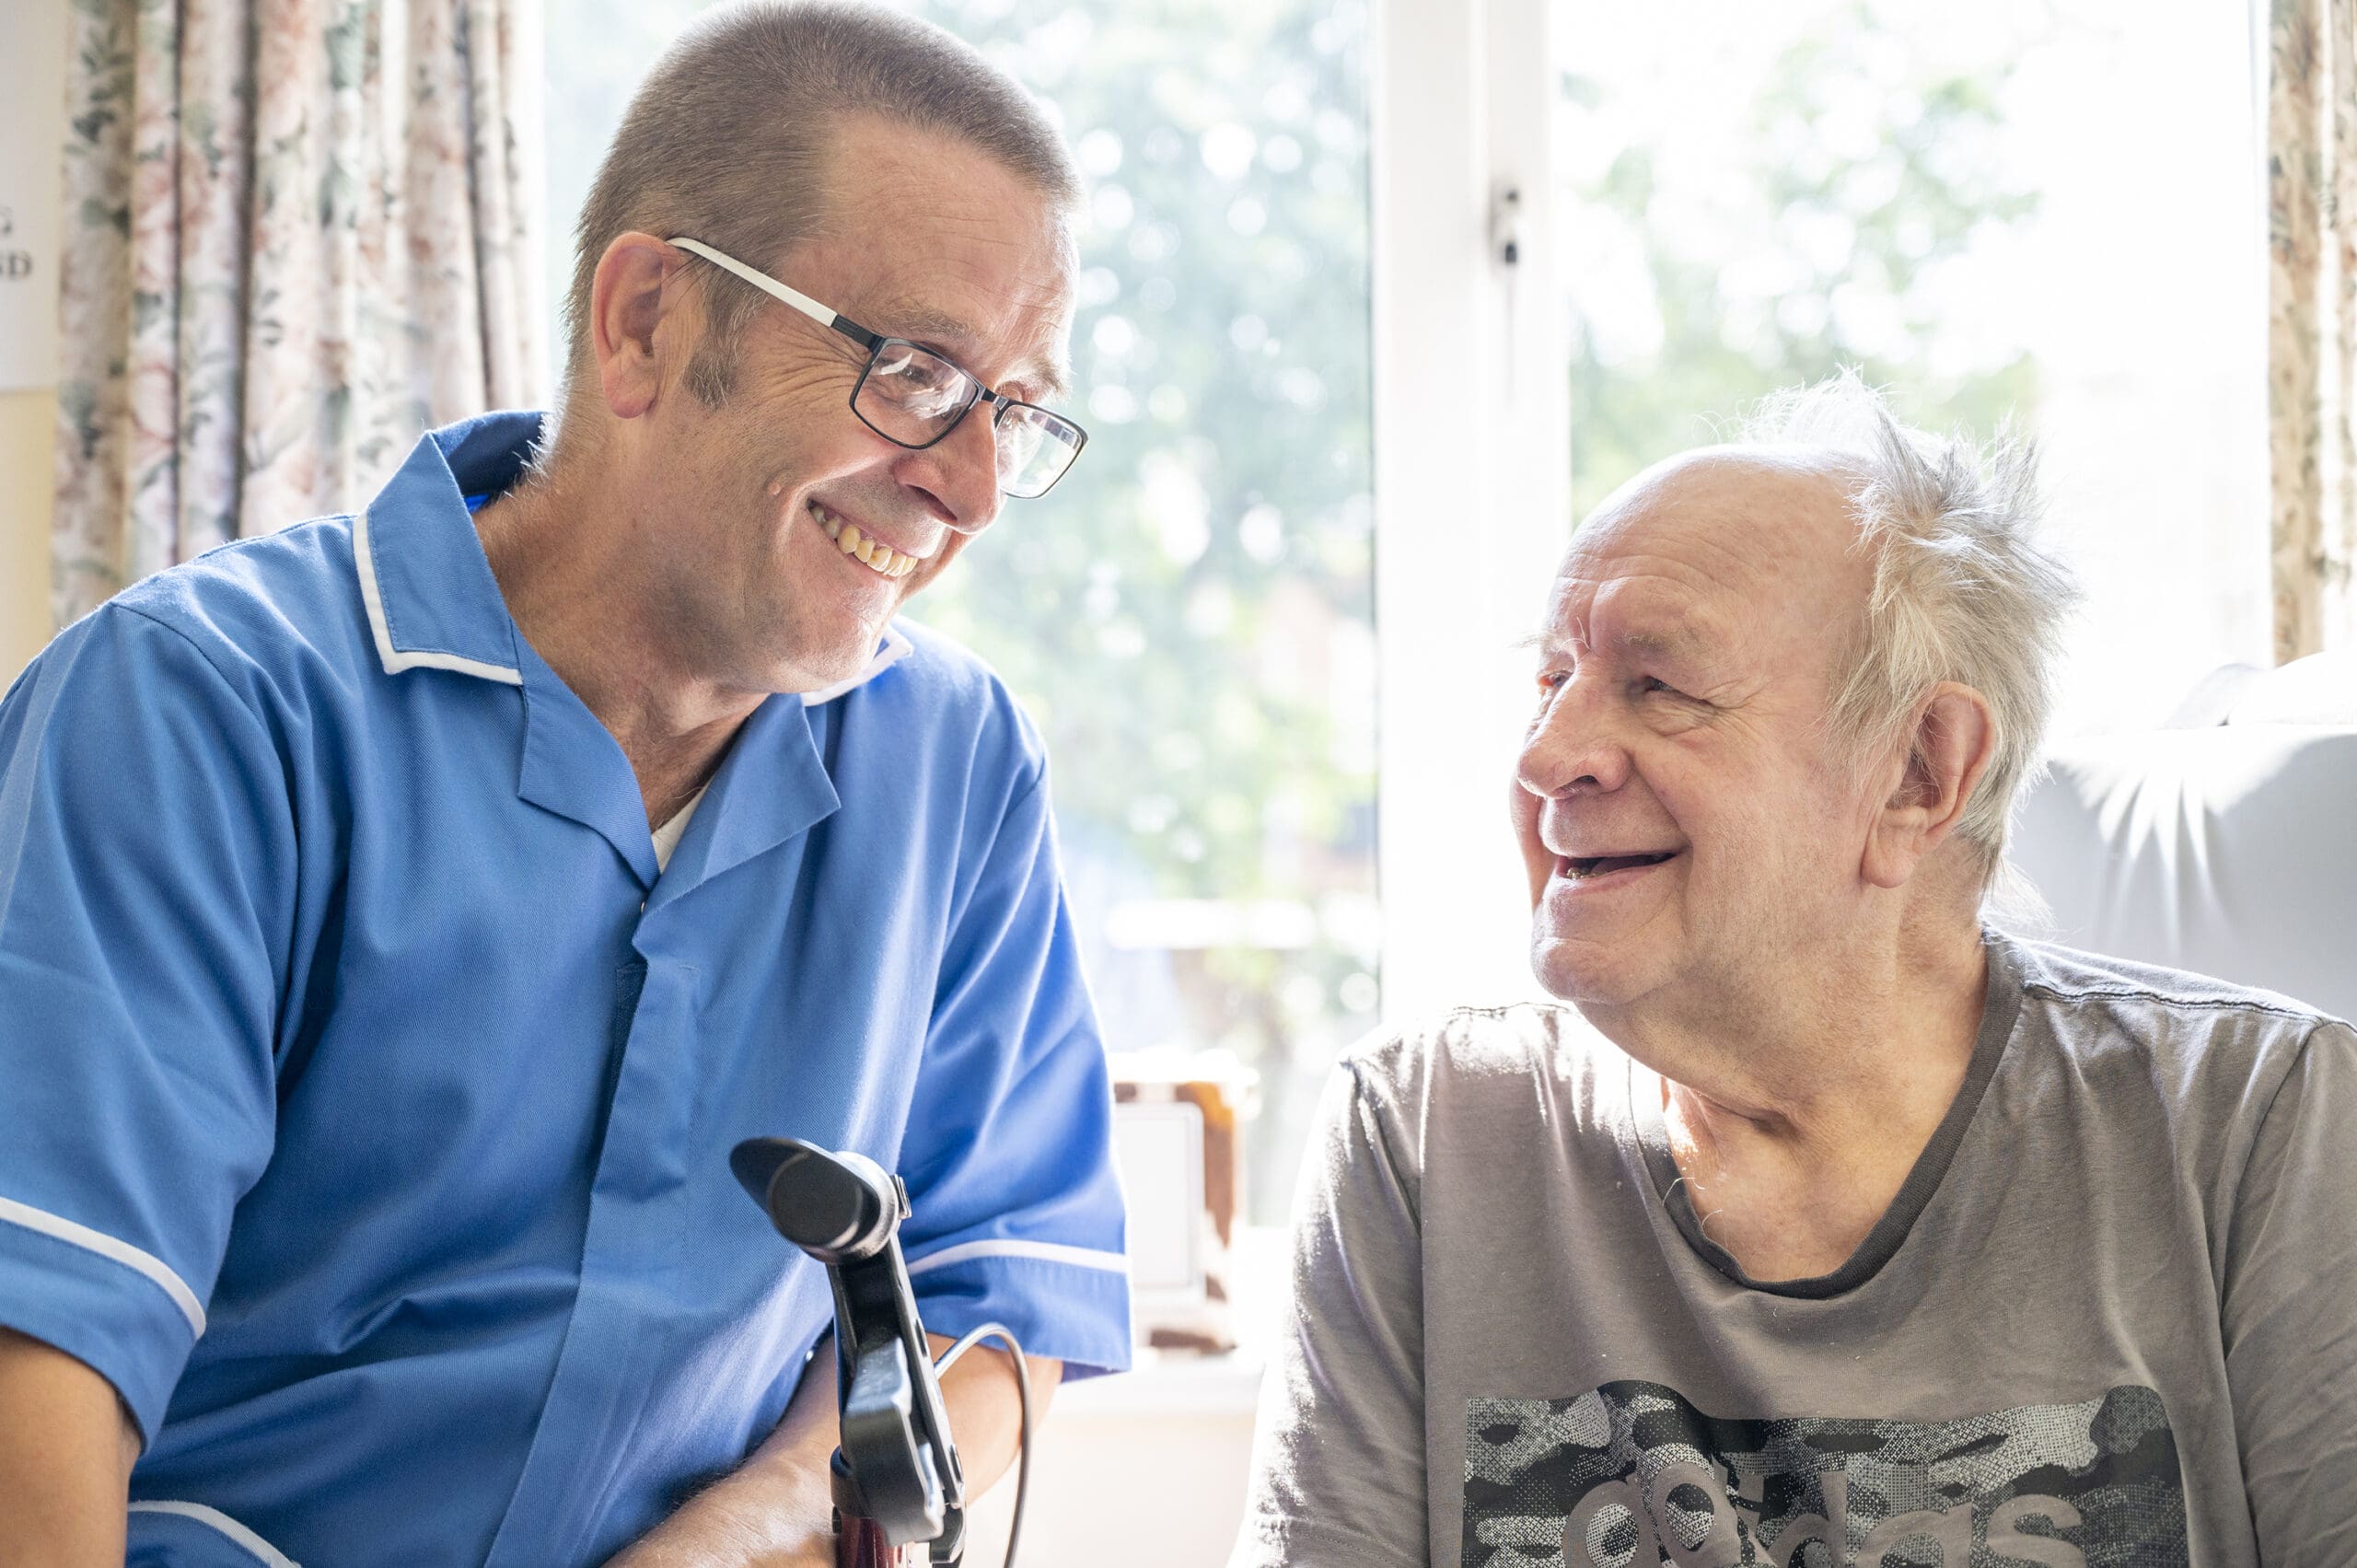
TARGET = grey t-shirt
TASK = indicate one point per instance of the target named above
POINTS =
(2110, 1318)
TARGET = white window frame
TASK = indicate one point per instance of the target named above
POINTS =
(1471, 432)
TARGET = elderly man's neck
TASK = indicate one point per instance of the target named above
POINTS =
(1795, 1112)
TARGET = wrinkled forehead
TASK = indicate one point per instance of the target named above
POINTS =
(953, 248)
(1725, 544)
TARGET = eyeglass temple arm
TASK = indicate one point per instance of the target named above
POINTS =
(782, 293)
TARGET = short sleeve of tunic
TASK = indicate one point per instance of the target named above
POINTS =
(1018, 1215)
(145, 889)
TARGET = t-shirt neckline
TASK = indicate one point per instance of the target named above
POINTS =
(2000, 1006)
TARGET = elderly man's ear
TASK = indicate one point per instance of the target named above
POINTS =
(1955, 736)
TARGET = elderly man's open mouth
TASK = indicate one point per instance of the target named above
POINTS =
(1591, 870)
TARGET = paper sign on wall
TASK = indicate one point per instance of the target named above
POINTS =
(32, 94)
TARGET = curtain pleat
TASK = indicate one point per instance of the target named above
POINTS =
(299, 232)
(2311, 321)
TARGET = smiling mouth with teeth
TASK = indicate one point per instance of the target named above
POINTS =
(1581, 867)
(873, 554)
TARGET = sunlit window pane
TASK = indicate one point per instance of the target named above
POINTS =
(2043, 207)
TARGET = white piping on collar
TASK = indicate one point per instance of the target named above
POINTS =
(896, 647)
(392, 658)
(262, 1551)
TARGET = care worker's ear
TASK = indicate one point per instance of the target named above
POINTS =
(1954, 736)
(635, 288)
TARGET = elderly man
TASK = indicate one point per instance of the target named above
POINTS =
(1873, 1236)
(403, 916)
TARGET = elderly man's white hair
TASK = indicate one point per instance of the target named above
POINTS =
(1964, 589)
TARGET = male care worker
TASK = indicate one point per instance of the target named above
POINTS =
(403, 916)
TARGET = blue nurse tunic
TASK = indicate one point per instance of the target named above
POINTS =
(367, 1091)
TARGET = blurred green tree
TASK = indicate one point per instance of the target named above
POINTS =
(1189, 616)
(1829, 237)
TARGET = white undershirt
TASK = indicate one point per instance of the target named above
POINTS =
(667, 836)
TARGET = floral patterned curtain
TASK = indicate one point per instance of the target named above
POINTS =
(297, 232)
(2312, 320)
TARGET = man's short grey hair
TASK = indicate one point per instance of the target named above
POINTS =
(726, 139)
(1964, 589)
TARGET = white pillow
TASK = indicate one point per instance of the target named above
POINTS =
(2230, 851)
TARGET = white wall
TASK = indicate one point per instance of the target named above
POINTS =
(26, 422)
(34, 133)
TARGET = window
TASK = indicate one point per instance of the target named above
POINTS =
(2044, 207)
(1189, 616)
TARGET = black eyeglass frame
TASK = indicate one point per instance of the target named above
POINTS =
(876, 343)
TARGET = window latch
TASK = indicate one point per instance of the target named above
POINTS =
(1506, 224)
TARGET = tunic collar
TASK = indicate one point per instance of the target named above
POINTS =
(431, 598)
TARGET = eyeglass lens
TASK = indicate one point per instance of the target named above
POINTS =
(914, 396)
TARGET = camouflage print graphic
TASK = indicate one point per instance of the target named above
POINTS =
(1633, 1475)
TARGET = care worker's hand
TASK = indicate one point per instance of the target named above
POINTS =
(778, 1510)
(651, 1553)
(775, 1511)
(737, 1533)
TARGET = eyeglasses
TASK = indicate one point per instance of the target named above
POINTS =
(914, 398)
